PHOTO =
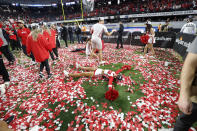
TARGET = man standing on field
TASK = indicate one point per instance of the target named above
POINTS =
(97, 32)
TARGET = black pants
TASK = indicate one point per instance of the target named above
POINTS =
(7, 53)
(184, 122)
(54, 51)
(71, 38)
(119, 41)
(25, 52)
(13, 44)
(3, 70)
(45, 64)
(18, 45)
(58, 43)
(65, 40)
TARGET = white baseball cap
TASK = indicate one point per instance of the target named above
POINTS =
(148, 22)
(101, 19)
(21, 21)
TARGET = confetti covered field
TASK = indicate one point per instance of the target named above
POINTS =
(147, 94)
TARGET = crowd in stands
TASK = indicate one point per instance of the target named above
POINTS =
(101, 8)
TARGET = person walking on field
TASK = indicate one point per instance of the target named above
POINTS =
(151, 33)
(37, 44)
(23, 33)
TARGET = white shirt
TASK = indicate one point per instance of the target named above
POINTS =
(189, 28)
(98, 30)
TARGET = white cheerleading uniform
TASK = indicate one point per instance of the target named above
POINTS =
(151, 39)
(88, 49)
(189, 28)
(97, 30)
(109, 73)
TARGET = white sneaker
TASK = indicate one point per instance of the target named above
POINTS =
(7, 84)
(66, 74)
(77, 65)
(35, 128)
(32, 63)
(102, 62)
(142, 57)
(152, 57)
(2, 88)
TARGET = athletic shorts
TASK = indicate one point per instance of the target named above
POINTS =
(96, 42)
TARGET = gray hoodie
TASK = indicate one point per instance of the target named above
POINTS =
(3, 38)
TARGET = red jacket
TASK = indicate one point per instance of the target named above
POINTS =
(1, 43)
(23, 34)
(12, 36)
(53, 38)
(39, 48)
(47, 36)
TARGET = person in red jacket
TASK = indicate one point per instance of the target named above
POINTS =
(3, 72)
(48, 35)
(23, 34)
(37, 44)
(53, 40)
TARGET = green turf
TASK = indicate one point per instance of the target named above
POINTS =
(195, 124)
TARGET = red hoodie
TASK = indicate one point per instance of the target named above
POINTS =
(39, 48)
(23, 34)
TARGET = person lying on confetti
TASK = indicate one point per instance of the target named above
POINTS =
(92, 72)
(111, 94)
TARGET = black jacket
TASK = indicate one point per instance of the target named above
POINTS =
(64, 32)
(121, 29)
(70, 30)
(78, 31)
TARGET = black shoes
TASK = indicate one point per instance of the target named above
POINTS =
(49, 76)
(10, 119)
(41, 75)
(118, 47)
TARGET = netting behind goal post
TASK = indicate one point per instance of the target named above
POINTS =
(88, 5)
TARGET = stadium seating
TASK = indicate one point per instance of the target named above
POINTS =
(102, 8)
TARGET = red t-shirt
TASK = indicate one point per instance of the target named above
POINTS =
(23, 34)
